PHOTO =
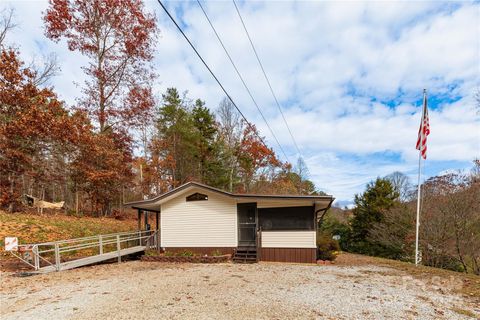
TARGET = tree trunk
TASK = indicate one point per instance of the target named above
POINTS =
(11, 205)
(24, 188)
(476, 266)
(43, 199)
(141, 182)
(457, 229)
(459, 253)
(122, 209)
(76, 202)
(175, 164)
(230, 180)
(64, 196)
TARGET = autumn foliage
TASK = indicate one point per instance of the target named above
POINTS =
(117, 36)
(119, 142)
(191, 143)
(34, 125)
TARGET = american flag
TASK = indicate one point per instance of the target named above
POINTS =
(424, 129)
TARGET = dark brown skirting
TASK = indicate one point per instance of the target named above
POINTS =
(202, 250)
(192, 259)
(298, 255)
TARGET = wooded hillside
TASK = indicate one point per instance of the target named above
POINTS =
(383, 220)
(121, 141)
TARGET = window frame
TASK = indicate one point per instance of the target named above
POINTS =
(197, 196)
(309, 218)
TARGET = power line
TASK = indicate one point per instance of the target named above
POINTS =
(241, 78)
(266, 78)
(211, 72)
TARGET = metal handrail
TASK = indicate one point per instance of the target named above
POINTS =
(92, 244)
(77, 244)
(88, 238)
(96, 244)
(133, 234)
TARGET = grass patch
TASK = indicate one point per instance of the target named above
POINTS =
(464, 312)
(151, 253)
(33, 228)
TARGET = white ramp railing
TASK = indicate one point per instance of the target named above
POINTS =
(49, 254)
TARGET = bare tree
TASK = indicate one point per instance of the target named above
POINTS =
(475, 173)
(397, 231)
(401, 184)
(230, 132)
(303, 174)
(451, 221)
(6, 23)
(46, 69)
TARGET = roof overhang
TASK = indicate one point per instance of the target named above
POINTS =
(153, 204)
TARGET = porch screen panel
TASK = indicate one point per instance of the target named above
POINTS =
(288, 218)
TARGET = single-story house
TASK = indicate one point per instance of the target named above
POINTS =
(203, 219)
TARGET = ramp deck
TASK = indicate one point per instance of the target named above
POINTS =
(92, 259)
(46, 257)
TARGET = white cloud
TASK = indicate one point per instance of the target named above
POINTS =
(334, 65)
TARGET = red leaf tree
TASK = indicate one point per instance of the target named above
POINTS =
(118, 38)
(254, 156)
(35, 130)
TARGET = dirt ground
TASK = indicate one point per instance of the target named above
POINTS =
(152, 290)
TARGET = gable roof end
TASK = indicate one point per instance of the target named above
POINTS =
(225, 193)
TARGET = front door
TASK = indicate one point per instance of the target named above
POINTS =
(247, 224)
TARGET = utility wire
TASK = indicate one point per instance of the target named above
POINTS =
(266, 78)
(241, 78)
(211, 72)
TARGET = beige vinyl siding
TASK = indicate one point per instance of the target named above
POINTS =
(288, 239)
(210, 223)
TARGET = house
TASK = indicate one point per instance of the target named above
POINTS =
(204, 219)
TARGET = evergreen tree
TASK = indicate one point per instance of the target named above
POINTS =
(370, 207)
(207, 147)
(173, 145)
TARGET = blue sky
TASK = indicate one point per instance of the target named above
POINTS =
(349, 77)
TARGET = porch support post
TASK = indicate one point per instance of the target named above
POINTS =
(139, 219)
(157, 229)
(146, 220)
(259, 244)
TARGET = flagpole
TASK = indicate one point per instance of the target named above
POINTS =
(418, 209)
(419, 191)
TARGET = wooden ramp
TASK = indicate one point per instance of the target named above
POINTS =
(46, 257)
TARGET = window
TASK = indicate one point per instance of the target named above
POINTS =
(293, 218)
(197, 197)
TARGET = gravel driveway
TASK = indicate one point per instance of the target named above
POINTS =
(152, 290)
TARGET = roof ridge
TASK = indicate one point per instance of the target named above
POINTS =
(239, 195)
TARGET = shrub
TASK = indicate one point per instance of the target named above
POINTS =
(439, 260)
(185, 253)
(335, 222)
(327, 248)
(216, 253)
(169, 254)
(151, 253)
